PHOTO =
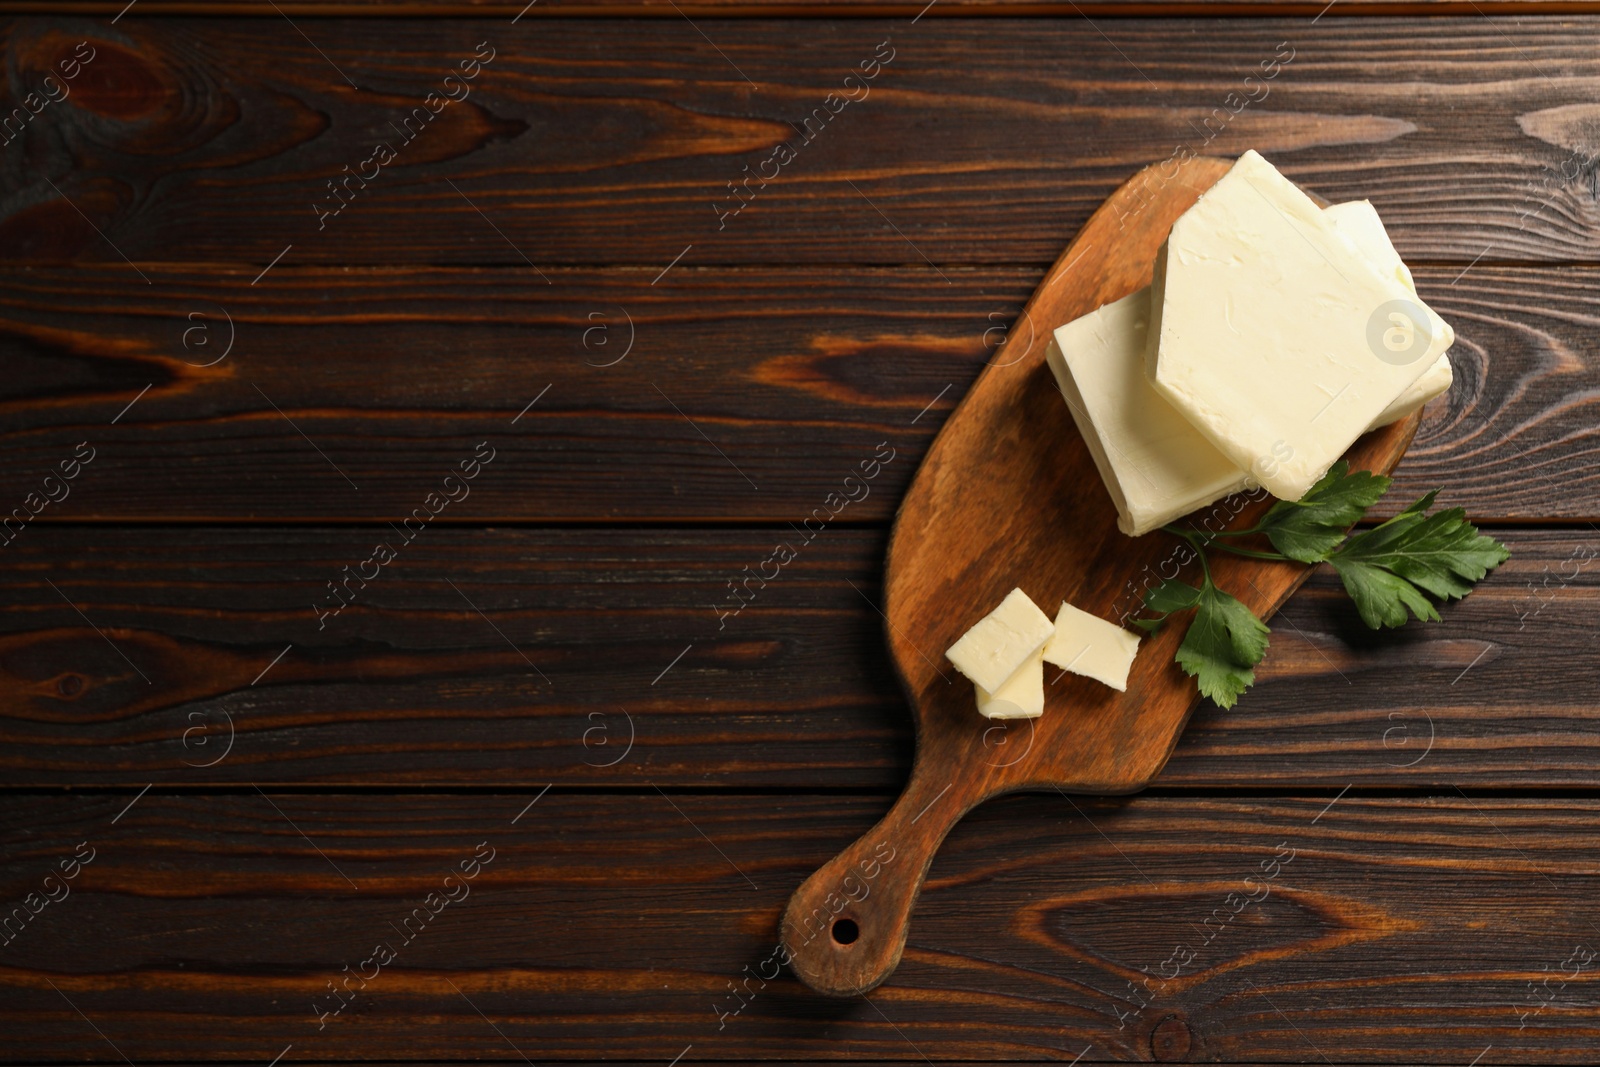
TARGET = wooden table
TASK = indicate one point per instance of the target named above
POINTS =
(527, 782)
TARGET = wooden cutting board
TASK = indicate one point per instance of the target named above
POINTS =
(1008, 496)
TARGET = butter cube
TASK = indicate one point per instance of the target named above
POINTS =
(1020, 696)
(1089, 645)
(1001, 641)
(1273, 335)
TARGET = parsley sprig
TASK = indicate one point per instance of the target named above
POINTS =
(1390, 571)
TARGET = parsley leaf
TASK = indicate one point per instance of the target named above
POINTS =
(1225, 639)
(1310, 528)
(1171, 595)
(1387, 569)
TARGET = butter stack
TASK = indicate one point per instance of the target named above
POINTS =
(1273, 335)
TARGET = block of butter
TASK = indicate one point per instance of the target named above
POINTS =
(1001, 642)
(1156, 466)
(1358, 220)
(1273, 335)
(1089, 645)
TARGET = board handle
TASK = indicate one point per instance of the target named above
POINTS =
(845, 927)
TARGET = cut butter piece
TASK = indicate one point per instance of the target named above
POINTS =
(1154, 463)
(1273, 335)
(1358, 220)
(1434, 381)
(1156, 466)
(1001, 642)
(1020, 696)
(1089, 645)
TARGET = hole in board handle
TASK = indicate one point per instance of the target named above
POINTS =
(845, 931)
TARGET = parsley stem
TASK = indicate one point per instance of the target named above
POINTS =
(1200, 546)
(1195, 543)
(1253, 554)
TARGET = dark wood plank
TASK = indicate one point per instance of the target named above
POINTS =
(563, 676)
(746, 394)
(713, 394)
(520, 9)
(410, 686)
(985, 141)
(1399, 929)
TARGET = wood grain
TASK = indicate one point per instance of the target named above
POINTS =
(787, 377)
(409, 686)
(576, 669)
(1403, 929)
(796, 8)
(592, 141)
